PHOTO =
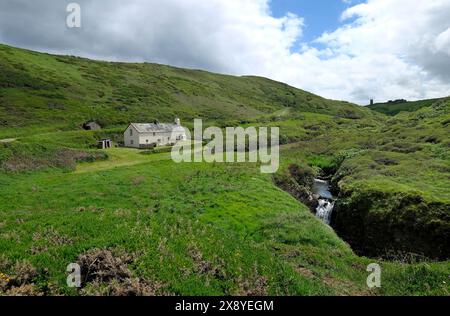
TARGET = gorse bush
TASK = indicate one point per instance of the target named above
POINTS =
(20, 157)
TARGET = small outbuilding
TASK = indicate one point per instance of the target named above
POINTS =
(105, 144)
(91, 126)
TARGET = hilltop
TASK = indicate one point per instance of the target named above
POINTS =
(392, 108)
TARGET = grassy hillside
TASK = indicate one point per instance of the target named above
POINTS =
(139, 224)
(180, 229)
(392, 181)
(395, 108)
(47, 93)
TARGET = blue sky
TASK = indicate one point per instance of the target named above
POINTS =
(319, 15)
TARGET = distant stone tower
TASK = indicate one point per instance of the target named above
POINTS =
(371, 101)
(177, 121)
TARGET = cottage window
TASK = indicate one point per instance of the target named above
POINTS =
(132, 142)
(131, 132)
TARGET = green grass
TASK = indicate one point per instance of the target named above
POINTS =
(393, 109)
(392, 178)
(120, 157)
(41, 92)
(165, 207)
(160, 210)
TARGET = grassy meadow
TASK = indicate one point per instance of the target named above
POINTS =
(195, 229)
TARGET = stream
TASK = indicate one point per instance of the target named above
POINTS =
(326, 200)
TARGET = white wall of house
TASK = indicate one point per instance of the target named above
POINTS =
(161, 139)
(131, 137)
(178, 134)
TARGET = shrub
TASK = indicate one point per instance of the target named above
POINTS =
(165, 149)
(303, 175)
(19, 157)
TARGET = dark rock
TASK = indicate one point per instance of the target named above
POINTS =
(377, 224)
(91, 126)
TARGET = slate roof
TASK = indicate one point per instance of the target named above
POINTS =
(155, 127)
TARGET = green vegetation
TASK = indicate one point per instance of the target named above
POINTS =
(145, 225)
(393, 108)
(43, 93)
(20, 157)
(392, 180)
(194, 229)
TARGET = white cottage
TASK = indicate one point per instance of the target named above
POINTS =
(144, 135)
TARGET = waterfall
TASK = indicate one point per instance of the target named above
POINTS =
(324, 210)
(326, 201)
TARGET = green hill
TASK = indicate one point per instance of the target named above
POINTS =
(393, 108)
(49, 92)
(140, 224)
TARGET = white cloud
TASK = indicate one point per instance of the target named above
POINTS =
(385, 48)
(391, 49)
(442, 42)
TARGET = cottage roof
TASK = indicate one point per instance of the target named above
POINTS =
(155, 127)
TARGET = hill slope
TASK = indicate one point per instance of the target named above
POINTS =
(59, 91)
(393, 108)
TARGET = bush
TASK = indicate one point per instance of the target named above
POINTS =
(19, 157)
(303, 175)
(148, 146)
(165, 149)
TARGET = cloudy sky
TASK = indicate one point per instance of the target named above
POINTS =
(342, 49)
